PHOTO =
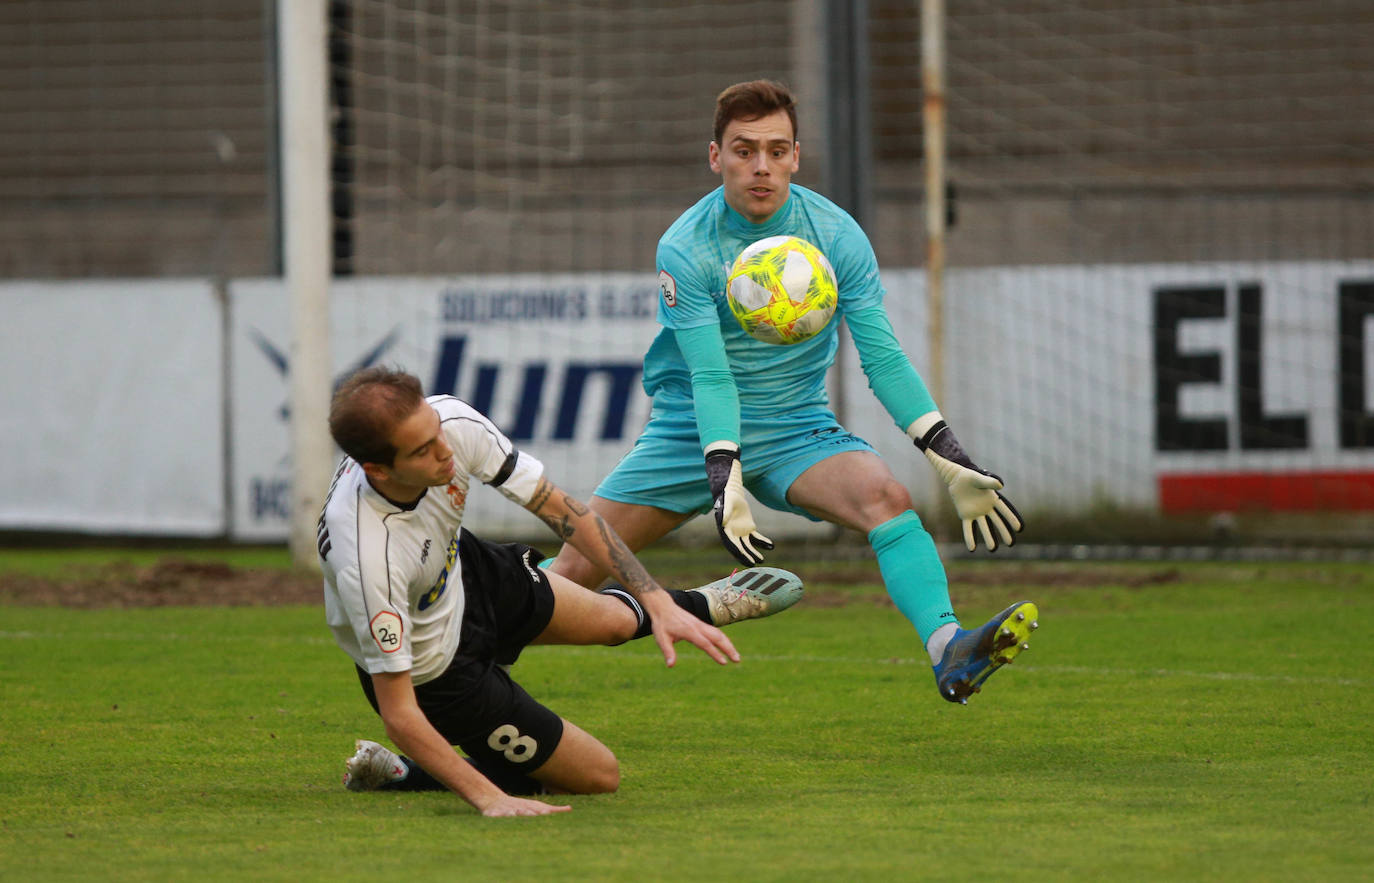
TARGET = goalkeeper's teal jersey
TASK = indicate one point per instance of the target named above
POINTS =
(694, 259)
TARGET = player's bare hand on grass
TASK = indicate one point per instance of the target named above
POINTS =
(508, 806)
(673, 624)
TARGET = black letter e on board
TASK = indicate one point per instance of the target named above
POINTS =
(1173, 369)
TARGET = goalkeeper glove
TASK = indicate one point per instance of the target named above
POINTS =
(975, 491)
(734, 522)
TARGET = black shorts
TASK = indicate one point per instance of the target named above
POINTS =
(474, 704)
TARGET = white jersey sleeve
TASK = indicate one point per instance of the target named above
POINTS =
(483, 451)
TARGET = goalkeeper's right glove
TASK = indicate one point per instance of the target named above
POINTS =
(734, 522)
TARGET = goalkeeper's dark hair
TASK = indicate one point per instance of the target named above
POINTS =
(753, 100)
(366, 409)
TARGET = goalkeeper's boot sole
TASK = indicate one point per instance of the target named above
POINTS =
(371, 767)
(971, 656)
(751, 594)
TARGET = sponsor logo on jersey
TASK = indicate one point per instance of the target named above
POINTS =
(667, 286)
(387, 631)
(428, 599)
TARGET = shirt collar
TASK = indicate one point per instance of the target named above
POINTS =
(779, 221)
(377, 500)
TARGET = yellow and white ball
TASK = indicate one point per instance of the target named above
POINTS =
(782, 290)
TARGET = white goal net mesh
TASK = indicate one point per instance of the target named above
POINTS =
(1159, 298)
(517, 137)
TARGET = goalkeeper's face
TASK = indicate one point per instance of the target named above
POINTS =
(756, 160)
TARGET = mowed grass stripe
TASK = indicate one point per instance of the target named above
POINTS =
(1104, 672)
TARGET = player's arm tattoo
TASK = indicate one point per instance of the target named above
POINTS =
(575, 506)
(623, 562)
(561, 523)
(564, 514)
(542, 492)
(560, 526)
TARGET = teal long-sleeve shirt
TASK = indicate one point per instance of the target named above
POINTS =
(703, 359)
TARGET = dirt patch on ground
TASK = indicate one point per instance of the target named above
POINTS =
(1075, 575)
(825, 587)
(175, 582)
(167, 583)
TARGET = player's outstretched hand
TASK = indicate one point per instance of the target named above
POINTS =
(672, 624)
(976, 492)
(507, 806)
(734, 521)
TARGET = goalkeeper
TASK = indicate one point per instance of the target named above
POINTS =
(759, 413)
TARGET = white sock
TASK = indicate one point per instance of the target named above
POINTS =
(935, 644)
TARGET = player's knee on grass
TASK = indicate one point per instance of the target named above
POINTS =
(580, 765)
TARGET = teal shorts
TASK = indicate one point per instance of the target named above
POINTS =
(666, 467)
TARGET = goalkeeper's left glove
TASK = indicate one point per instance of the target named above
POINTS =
(734, 521)
(975, 491)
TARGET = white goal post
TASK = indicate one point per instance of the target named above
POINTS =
(303, 125)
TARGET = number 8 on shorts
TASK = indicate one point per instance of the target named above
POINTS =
(515, 747)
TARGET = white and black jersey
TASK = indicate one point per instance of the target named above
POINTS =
(392, 578)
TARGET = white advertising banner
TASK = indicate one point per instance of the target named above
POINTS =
(1208, 387)
(111, 409)
(554, 361)
(1205, 387)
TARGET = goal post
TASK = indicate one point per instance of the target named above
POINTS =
(306, 228)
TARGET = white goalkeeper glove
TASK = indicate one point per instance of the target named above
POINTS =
(734, 522)
(975, 491)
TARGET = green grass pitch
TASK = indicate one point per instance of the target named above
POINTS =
(1213, 724)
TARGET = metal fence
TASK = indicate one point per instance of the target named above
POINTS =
(137, 139)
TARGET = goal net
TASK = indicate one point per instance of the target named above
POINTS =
(479, 136)
(1157, 315)
(1157, 319)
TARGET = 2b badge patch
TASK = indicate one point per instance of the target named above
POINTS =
(386, 631)
(667, 285)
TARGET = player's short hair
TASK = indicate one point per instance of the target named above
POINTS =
(366, 409)
(753, 100)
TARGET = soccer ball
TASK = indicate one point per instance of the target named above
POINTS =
(782, 290)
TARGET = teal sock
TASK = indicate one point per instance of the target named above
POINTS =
(912, 572)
